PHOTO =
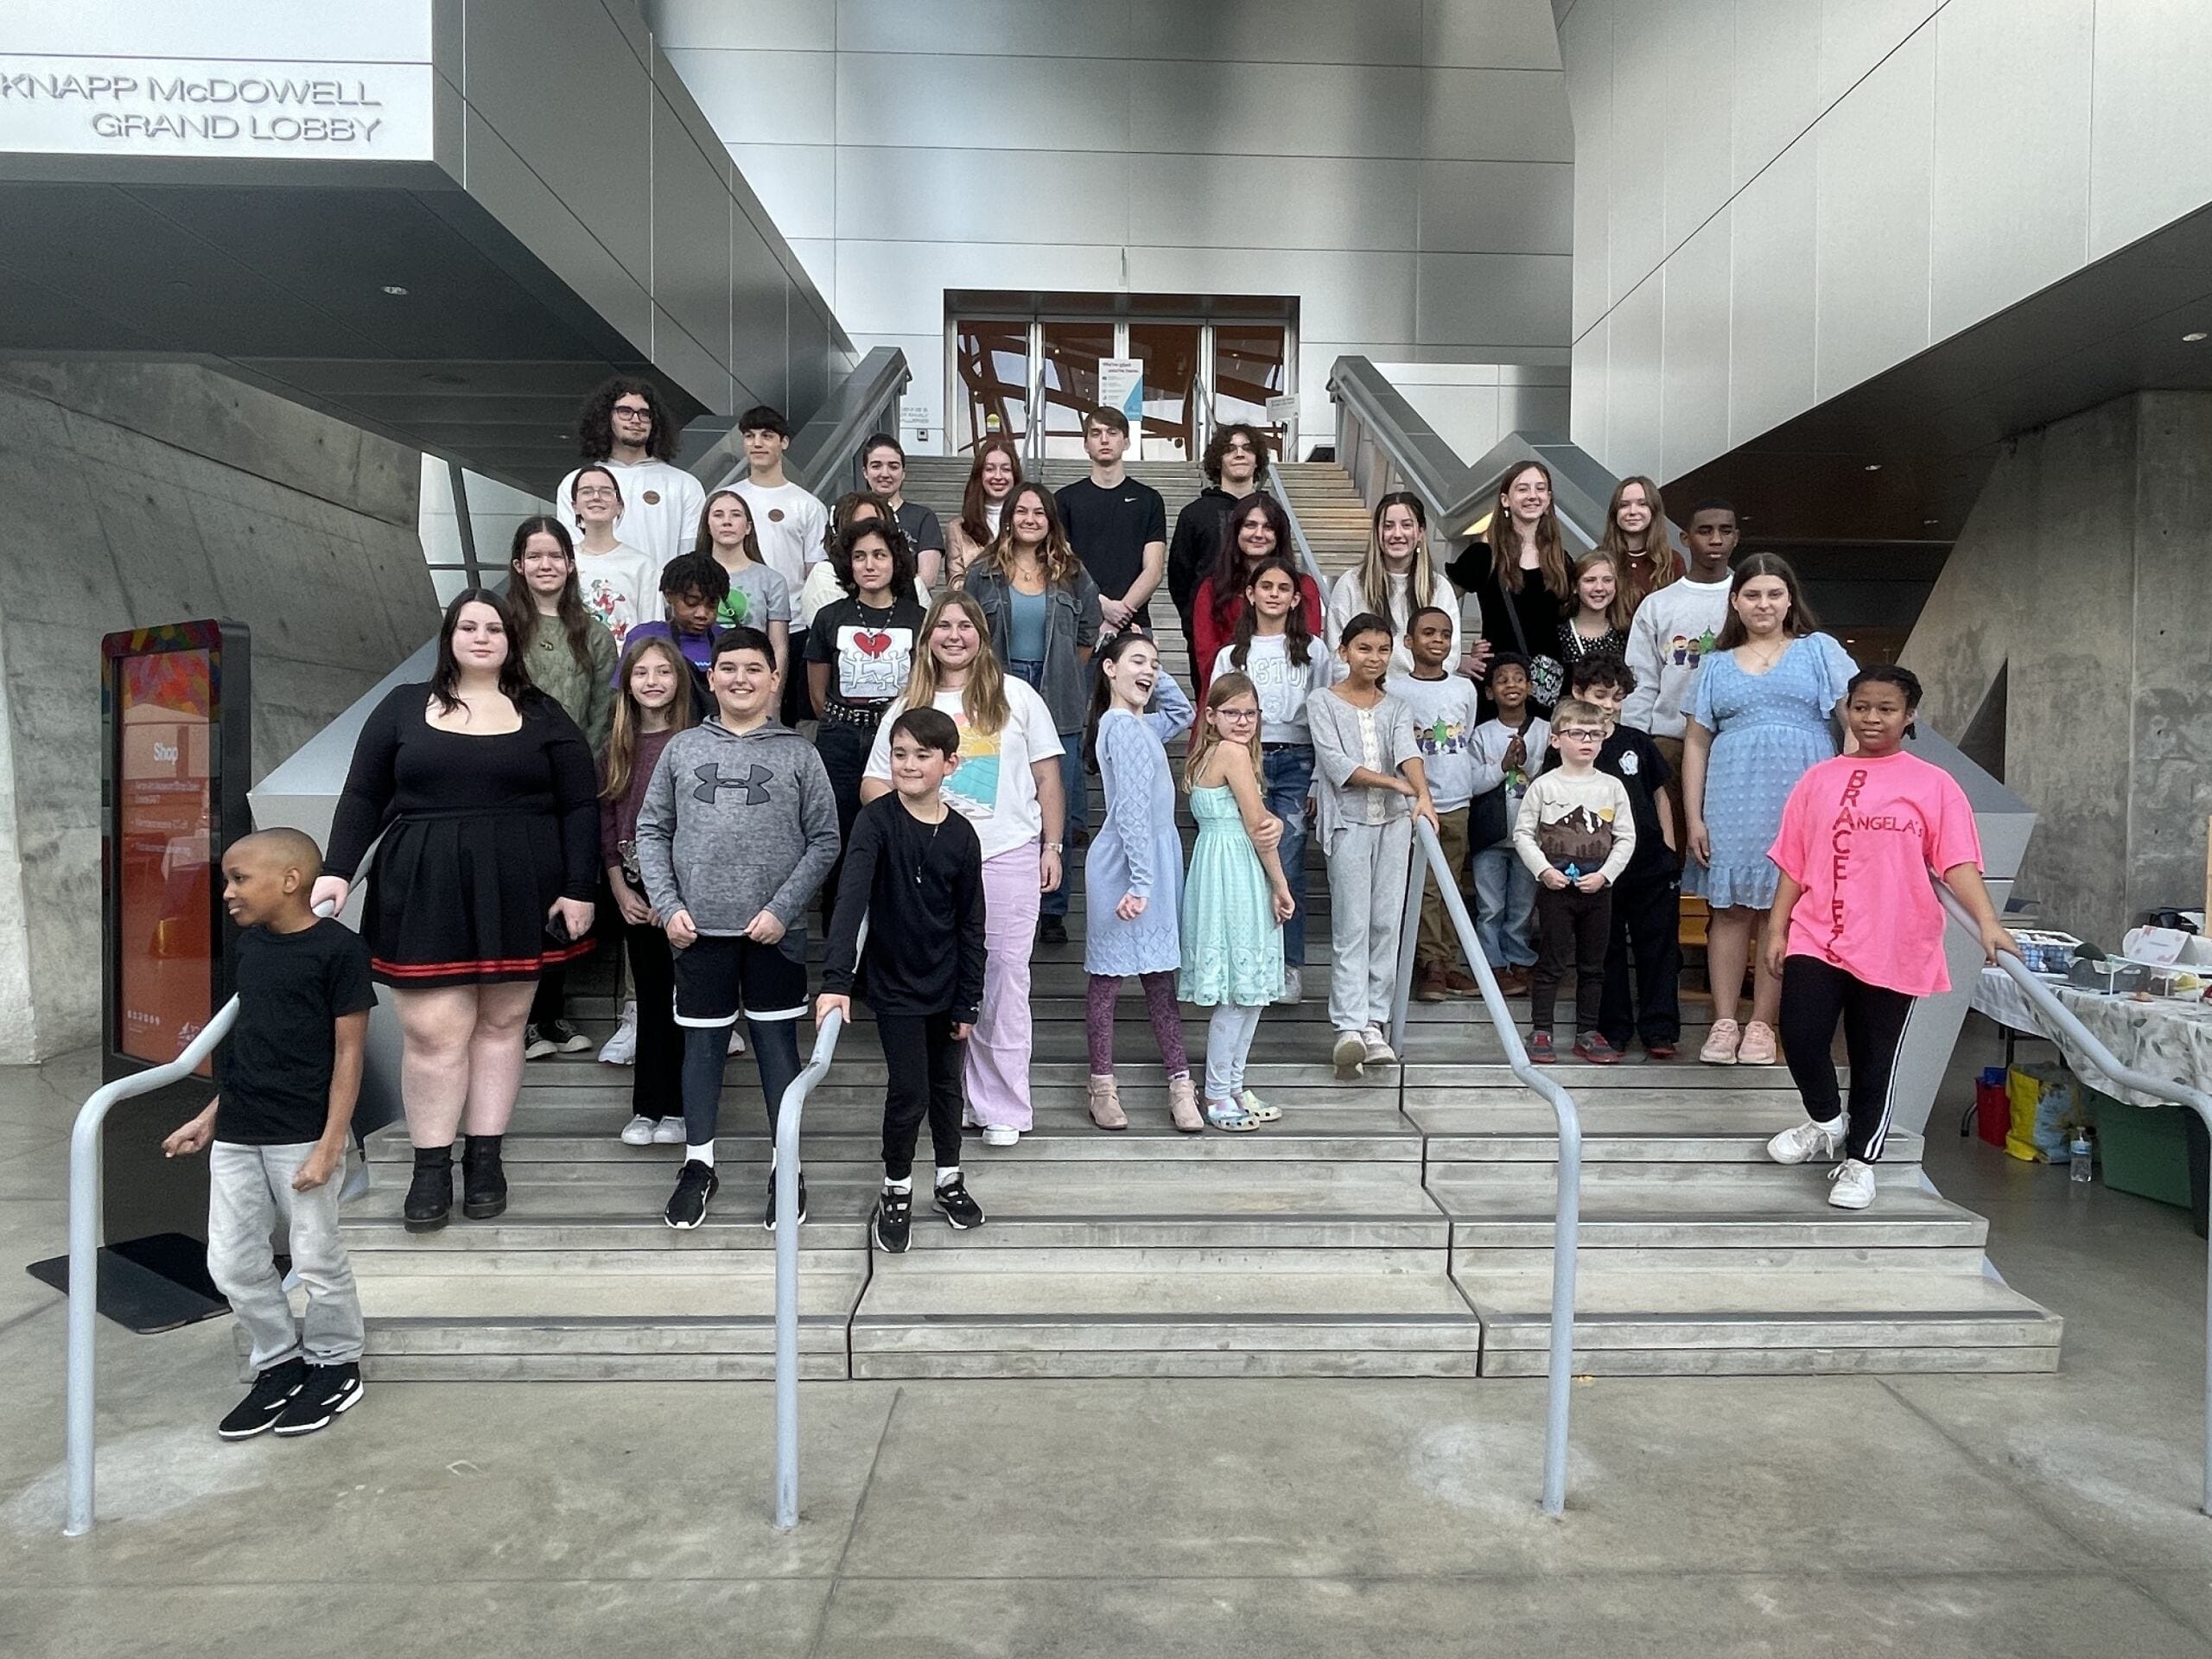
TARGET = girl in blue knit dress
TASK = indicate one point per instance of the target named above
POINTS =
(1132, 877)
(1235, 900)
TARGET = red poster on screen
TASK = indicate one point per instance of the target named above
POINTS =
(165, 863)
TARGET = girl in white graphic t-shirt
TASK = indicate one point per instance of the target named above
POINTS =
(620, 584)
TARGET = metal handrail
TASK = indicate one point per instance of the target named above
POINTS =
(1566, 1222)
(787, 1126)
(1272, 482)
(84, 1217)
(2057, 1020)
(829, 444)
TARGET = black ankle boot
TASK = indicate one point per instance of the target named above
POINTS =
(430, 1196)
(483, 1183)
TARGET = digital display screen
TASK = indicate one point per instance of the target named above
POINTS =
(165, 871)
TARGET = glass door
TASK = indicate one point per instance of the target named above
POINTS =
(1173, 397)
(991, 370)
(1069, 354)
(1251, 364)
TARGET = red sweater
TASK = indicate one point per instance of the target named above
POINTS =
(1210, 631)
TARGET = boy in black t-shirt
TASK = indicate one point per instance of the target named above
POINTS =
(1117, 526)
(915, 868)
(280, 1127)
(1647, 899)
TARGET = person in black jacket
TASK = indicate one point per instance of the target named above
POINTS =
(1235, 464)
(915, 871)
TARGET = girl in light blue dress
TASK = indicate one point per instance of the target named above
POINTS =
(1132, 877)
(1760, 721)
(1236, 899)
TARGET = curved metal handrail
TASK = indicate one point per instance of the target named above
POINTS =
(1566, 1220)
(823, 452)
(787, 1128)
(2058, 1020)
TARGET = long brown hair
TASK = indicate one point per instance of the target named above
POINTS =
(1298, 638)
(445, 679)
(704, 540)
(1658, 546)
(630, 715)
(975, 520)
(1203, 740)
(1622, 611)
(983, 699)
(1505, 540)
(1797, 623)
(521, 609)
(1423, 584)
(1229, 575)
(1054, 556)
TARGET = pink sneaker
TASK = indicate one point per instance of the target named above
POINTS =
(1721, 1043)
(1757, 1046)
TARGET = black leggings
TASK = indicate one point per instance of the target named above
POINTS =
(923, 1063)
(1814, 995)
(656, 1075)
(775, 1050)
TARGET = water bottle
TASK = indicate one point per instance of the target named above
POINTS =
(2078, 1160)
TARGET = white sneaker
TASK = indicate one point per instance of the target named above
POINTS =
(999, 1135)
(1379, 1052)
(1807, 1141)
(621, 1049)
(1292, 992)
(638, 1131)
(1852, 1185)
(668, 1132)
(736, 1041)
(1349, 1055)
(968, 1119)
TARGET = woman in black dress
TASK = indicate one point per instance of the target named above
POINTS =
(484, 796)
(1522, 583)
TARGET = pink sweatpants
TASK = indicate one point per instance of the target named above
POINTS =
(998, 1052)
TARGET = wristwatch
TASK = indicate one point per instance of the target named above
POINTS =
(1053, 846)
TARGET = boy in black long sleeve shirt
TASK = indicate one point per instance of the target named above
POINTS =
(915, 868)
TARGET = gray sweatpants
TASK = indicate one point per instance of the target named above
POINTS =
(250, 1191)
(1367, 899)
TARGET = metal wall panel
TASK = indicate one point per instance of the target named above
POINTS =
(395, 31)
(1277, 202)
(1274, 109)
(1693, 347)
(1295, 31)
(997, 103)
(1635, 208)
(764, 98)
(1489, 34)
(819, 255)
(898, 288)
(2012, 175)
(1068, 28)
(981, 195)
(1588, 40)
(1856, 34)
(797, 184)
(1491, 208)
(691, 224)
(680, 355)
(761, 308)
(1342, 295)
(2150, 145)
(1533, 409)
(1586, 425)
(786, 26)
(1872, 166)
(1777, 77)
(814, 360)
(1634, 430)
(1492, 299)
(1494, 115)
(1770, 313)
(1692, 99)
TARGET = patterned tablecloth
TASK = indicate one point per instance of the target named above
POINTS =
(2164, 1036)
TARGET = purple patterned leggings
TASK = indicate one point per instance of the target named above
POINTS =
(1159, 1002)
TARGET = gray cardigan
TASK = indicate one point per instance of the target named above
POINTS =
(1071, 623)
(1335, 725)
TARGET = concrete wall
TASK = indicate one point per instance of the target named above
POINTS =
(1776, 199)
(146, 493)
(1401, 166)
(2081, 571)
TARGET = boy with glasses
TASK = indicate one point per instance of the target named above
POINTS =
(622, 425)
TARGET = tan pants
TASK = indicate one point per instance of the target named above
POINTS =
(1437, 944)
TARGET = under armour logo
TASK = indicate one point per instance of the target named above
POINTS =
(754, 784)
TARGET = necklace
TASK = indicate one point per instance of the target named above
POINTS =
(944, 811)
(1767, 658)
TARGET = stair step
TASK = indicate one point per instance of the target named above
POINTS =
(1494, 1206)
(1689, 1127)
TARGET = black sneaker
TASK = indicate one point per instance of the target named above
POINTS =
(564, 1036)
(1052, 929)
(535, 1044)
(894, 1220)
(768, 1216)
(258, 1411)
(696, 1183)
(328, 1391)
(956, 1206)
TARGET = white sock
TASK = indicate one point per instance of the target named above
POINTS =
(904, 1185)
(947, 1177)
(700, 1154)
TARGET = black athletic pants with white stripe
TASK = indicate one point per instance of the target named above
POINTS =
(1814, 995)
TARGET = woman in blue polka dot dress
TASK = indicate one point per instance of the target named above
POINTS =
(1760, 718)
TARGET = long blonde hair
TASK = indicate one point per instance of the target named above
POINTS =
(1422, 582)
(1658, 546)
(630, 715)
(983, 699)
(1054, 556)
(1505, 540)
(1622, 611)
(1225, 689)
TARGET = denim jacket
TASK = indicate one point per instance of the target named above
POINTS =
(1072, 622)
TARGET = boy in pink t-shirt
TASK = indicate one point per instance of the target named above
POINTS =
(1857, 932)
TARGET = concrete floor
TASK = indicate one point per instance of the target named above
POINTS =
(1924, 1516)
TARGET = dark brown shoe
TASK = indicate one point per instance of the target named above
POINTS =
(1428, 983)
(1457, 981)
(1514, 982)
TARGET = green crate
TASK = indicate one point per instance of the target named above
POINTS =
(2144, 1149)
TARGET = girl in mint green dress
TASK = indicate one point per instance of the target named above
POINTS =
(1235, 899)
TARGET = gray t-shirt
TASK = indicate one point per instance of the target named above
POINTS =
(758, 596)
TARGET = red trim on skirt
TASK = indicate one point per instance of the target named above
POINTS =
(507, 968)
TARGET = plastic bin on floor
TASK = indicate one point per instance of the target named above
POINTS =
(2144, 1149)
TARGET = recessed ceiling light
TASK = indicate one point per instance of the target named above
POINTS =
(2191, 338)
(395, 290)
(1931, 521)
(1873, 466)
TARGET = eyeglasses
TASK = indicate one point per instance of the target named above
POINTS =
(596, 492)
(633, 412)
(1584, 733)
(1238, 714)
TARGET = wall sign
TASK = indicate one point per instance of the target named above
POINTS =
(1121, 385)
(186, 106)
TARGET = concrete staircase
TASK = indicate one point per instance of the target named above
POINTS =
(1397, 1226)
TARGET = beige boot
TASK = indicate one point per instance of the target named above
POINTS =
(1106, 1105)
(1183, 1105)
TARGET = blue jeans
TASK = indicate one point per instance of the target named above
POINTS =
(1505, 900)
(1287, 778)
